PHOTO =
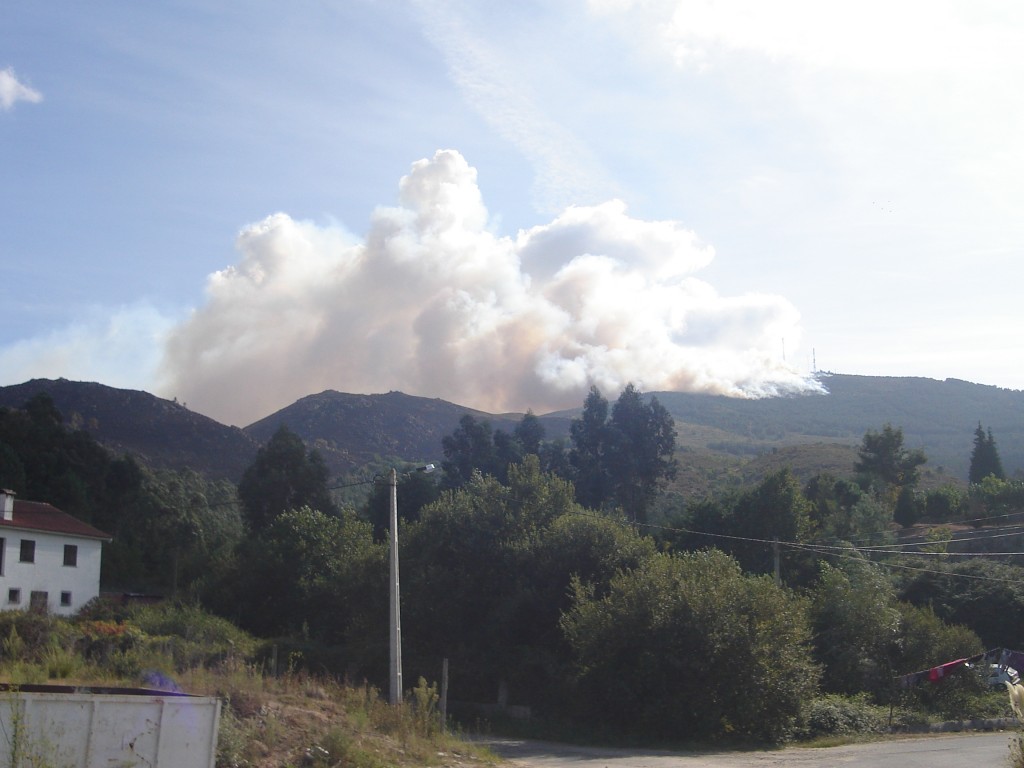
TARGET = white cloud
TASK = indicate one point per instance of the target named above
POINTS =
(433, 303)
(871, 36)
(13, 91)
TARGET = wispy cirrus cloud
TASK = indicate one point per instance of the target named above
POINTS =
(566, 172)
(12, 90)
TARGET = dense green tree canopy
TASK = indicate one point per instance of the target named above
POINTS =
(292, 578)
(48, 462)
(623, 460)
(475, 447)
(641, 444)
(841, 512)
(982, 594)
(283, 476)
(414, 491)
(856, 625)
(469, 448)
(883, 459)
(468, 573)
(172, 529)
(687, 646)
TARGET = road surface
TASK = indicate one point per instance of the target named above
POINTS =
(972, 750)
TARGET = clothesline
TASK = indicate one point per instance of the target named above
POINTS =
(1001, 657)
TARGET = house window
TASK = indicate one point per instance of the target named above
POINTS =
(71, 555)
(14, 596)
(28, 551)
(65, 598)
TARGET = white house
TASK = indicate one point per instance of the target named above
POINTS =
(48, 559)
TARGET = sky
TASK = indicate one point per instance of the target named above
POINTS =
(503, 204)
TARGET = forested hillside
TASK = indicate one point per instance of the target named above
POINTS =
(721, 435)
(352, 430)
(937, 416)
(562, 576)
(157, 432)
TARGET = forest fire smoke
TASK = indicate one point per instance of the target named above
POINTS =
(433, 303)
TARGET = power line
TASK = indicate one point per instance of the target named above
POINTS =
(849, 552)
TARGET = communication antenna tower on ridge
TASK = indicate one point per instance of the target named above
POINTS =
(814, 360)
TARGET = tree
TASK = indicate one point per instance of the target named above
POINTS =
(414, 491)
(283, 476)
(12, 471)
(981, 594)
(641, 443)
(589, 441)
(507, 451)
(475, 447)
(985, 459)
(842, 511)
(530, 433)
(64, 467)
(173, 529)
(292, 577)
(468, 449)
(470, 589)
(864, 635)
(908, 507)
(626, 459)
(856, 626)
(687, 646)
(775, 510)
(883, 458)
(944, 504)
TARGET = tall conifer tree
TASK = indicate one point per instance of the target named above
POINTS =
(985, 459)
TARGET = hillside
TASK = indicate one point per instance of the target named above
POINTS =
(159, 432)
(721, 440)
(937, 416)
(352, 430)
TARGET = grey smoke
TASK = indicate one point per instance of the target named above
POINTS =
(433, 303)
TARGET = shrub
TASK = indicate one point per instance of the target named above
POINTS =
(690, 647)
(835, 715)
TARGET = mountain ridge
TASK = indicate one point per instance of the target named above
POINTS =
(351, 430)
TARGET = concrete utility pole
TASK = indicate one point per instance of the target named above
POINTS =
(395, 692)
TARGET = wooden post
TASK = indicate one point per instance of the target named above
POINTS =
(778, 571)
(444, 695)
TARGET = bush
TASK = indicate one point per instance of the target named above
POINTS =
(26, 635)
(690, 647)
(835, 715)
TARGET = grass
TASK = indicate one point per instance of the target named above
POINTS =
(267, 721)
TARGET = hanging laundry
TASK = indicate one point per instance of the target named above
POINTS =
(938, 673)
(1003, 659)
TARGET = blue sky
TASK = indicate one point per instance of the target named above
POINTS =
(501, 204)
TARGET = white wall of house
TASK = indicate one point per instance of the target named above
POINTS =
(67, 587)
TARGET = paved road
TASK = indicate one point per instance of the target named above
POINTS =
(953, 751)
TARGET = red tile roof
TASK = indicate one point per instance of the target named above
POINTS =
(40, 516)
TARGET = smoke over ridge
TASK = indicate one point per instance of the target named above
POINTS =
(434, 304)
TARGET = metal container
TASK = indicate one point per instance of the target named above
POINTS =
(65, 726)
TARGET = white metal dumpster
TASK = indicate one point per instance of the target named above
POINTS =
(63, 726)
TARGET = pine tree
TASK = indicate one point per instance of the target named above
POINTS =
(985, 459)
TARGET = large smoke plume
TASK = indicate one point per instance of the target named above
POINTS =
(433, 303)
